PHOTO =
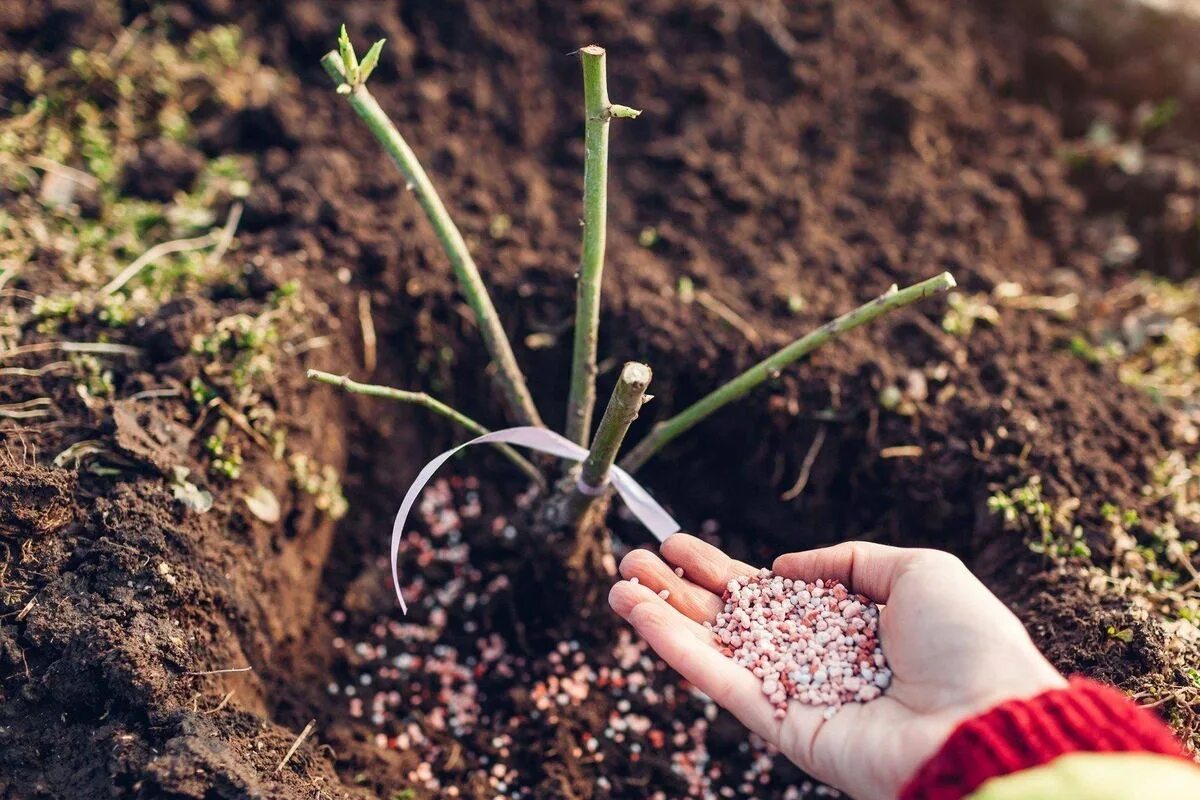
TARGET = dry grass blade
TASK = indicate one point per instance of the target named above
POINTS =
(91, 348)
(154, 254)
(29, 409)
(806, 466)
(304, 734)
(226, 236)
(366, 322)
(21, 372)
(729, 316)
(220, 671)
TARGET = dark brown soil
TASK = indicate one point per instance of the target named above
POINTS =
(819, 153)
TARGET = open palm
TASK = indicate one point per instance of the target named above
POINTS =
(953, 648)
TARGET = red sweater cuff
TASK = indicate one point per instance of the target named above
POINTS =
(1021, 734)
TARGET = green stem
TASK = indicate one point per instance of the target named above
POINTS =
(512, 381)
(627, 398)
(598, 111)
(770, 367)
(582, 400)
(431, 403)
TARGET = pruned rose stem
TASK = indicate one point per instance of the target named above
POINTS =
(433, 404)
(598, 112)
(627, 398)
(665, 432)
(518, 400)
(589, 560)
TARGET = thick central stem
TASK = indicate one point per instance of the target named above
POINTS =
(627, 398)
(582, 398)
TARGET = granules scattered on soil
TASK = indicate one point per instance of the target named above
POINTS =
(815, 643)
(461, 707)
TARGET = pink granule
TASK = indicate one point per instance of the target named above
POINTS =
(815, 643)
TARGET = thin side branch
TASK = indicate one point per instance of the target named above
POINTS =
(598, 111)
(770, 367)
(431, 403)
(518, 400)
(627, 399)
(304, 734)
(156, 252)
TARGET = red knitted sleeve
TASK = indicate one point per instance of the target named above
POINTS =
(1021, 734)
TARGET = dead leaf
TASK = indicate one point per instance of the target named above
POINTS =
(263, 504)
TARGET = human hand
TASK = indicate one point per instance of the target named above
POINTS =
(954, 650)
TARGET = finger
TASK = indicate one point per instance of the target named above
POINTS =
(703, 564)
(864, 567)
(732, 687)
(652, 572)
(625, 596)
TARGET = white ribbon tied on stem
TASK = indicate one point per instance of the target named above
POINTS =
(643, 506)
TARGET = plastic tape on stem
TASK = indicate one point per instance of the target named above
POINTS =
(643, 506)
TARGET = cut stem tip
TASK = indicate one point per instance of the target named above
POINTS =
(627, 398)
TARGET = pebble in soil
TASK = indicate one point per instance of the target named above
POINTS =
(478, 715)
(814, 643)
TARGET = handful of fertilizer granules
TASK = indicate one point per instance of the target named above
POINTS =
(815, 643)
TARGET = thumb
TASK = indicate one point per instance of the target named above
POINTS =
(864, 567)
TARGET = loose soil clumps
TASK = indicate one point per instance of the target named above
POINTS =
(790, 164)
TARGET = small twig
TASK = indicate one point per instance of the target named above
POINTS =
(127, 39)
(806, 466)
(94, 348)
(202, 419)
(220, 671)
(1186, 561)
(24, 612)
(239, 419)
(224, 701)
(226, 235)
(778, 32)
(312, 343)
(38, 407)
(770, 367)
(433, 404)
(21, 372)
(1180, 695)
(512, 381)
(598, 111)
(304, 734)
(75, 175)
(731, 317)
(152, 394)
(627, 399)
(100, 348)
(156, 252)
(902, 451)
(367, 324)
